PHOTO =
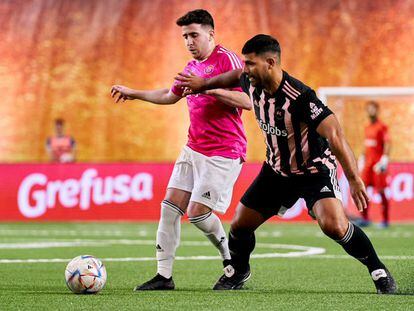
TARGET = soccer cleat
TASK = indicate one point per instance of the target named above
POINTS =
(383, 225)
(384, 282)
(231, 279)
(158, 282)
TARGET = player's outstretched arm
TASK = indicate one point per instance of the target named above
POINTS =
(331, 130)
(198, 84)
(159, 97)
(231, 98)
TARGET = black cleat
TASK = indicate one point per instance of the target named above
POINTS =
(158, 282)
(384, 282)
(231, 279)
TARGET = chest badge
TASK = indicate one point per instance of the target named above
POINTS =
(209, 69)
(279, 114)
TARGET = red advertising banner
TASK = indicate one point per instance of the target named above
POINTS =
(133, 192)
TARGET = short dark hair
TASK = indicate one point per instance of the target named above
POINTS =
(260, 44)
(59, 121)
(373, 103)
(196, 17)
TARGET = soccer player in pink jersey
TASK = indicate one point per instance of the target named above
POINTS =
(207, 168)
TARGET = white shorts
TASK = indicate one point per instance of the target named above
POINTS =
(209, 179)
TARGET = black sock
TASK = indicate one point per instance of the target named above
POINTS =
(241, 244)
(356, 243)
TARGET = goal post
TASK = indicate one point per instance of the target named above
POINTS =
(371, 92)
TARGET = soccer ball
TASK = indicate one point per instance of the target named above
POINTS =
(85, 275)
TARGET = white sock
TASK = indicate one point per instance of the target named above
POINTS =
(168, 237)
(212, 227)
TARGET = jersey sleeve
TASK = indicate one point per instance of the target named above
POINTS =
(311, 110)
(176, 88)
(229, 61)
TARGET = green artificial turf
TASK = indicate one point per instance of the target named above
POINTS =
(327, 281)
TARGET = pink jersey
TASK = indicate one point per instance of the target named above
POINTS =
(215, 129)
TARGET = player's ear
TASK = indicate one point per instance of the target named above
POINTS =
(211, 33)
(271, 62)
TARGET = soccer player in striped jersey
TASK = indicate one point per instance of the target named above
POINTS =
(204, 174)
(303, 139)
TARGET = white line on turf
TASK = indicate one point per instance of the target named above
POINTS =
(143, 233)
(134, 259)
(296, 250)
(41, 232)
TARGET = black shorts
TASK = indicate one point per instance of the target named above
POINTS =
(272, 194)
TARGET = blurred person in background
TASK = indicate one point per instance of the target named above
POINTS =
(61, 148)
(373, 163)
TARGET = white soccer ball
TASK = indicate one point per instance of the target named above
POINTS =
(85, 274)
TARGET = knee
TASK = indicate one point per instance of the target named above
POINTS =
(197, 209)
(334, 228)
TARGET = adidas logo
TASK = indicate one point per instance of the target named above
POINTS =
(222, 240)
(159, 248)
(206, 195)
(325, 189)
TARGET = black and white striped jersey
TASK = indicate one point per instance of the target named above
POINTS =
(288, 120)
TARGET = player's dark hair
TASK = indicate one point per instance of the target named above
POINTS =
(373, 103)
(261, 44)
(200, 16)
(59, 121)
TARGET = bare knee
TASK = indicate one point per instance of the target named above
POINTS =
(331, 217)
(178, 197)
(246, 220)
(335, 228)
(197, 209)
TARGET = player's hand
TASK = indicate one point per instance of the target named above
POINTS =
(359, 193)
(187, 91)
(189, 80)
(382, 165)
(120, 92)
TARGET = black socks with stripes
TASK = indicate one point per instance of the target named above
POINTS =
(241, 244)
(356, 243)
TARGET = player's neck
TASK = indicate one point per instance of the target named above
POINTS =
(274, 82)
(373, 119)
(210, 50)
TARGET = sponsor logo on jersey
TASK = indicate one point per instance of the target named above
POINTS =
(272, 130)
(369, 142)
(315, 111)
